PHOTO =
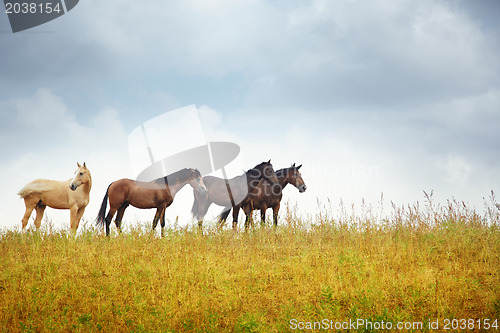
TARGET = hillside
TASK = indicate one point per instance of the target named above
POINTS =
(418, 266)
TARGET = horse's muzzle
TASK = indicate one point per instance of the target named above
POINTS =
(73, 187)
(302, 189)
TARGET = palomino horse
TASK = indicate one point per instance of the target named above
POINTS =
(72, 194)
(265, 196)
(231, 192)
(157, 194)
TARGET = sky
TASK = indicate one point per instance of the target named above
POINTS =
(386, 97)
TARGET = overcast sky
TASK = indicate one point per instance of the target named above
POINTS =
(388, 96)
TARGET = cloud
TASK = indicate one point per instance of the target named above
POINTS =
(28, 119)
(43, 123)
(465, 125)
(40, 111)
(321, 54)
(382, 54)
(456, 169)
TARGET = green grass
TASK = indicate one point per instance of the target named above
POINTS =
(417, 265)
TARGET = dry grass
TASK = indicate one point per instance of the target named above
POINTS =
(417, 264)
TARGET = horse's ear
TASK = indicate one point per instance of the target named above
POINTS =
(84, 165)
(299, 167)
(78, 164)
(269, 161)
(293, 165)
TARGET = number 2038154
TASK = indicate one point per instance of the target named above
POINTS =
(32, 8)
(470, 324)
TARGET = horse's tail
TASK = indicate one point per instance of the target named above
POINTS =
(36, 186)
(225, 213)
(24, 192)
(101, 217)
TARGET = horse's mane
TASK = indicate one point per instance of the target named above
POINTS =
(176, 177)
(255, 168)
(282, 172)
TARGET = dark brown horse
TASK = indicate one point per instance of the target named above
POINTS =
(157, 194)
(231, 192)
(265, 196)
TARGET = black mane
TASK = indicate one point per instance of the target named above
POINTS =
(282, 172)
(255, 168)
(176, 177)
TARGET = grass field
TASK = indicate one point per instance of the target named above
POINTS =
(418, 265)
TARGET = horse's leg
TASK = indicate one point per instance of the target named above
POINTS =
(157, 217)
(162, 221)
(40, 208)
(202, 211)
(73, 213)
(79, 215)
(236, 211)
(275, 213)
(119, 216)
(30, 205)
(263, 216)
(248, 215)
(109, 217)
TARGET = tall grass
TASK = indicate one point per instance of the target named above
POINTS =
(418, 264)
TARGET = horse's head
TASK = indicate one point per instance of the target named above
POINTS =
(196, 182)
(265, 171)
(295, 178)
(82, 176)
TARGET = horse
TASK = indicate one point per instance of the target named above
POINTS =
(231, 192)
(157, 194)
(265, 196)
(72, 194)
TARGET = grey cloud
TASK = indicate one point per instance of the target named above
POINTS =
(406, 56)
(321, 54)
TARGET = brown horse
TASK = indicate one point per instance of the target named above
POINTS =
(231, 192)
(157, 194)
(72, 194)
(265, 196)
